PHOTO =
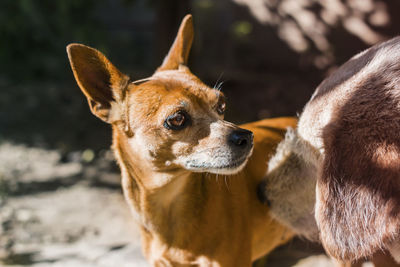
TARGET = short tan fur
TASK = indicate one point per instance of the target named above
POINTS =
(176, 151)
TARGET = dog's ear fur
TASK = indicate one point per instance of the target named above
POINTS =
(356, 220)
(358, 188)
(179, 51)
(101, 82)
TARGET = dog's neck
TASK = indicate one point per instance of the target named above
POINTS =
(157, 199)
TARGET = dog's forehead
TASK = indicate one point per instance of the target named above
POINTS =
(180, 77)
(173, 82)
(170, 90)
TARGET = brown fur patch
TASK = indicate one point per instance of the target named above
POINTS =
(359, 185)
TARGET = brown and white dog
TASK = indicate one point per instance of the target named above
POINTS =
(174, 149)
(347, 144)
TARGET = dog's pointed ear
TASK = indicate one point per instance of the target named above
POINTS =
(179, 52)
(101, 82)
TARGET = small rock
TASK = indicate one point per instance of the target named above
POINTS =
(24, 215)
(6, 212)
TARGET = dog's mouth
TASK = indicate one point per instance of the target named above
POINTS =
(219, 164)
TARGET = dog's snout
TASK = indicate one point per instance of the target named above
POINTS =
(241, 138)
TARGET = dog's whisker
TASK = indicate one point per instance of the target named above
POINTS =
(219, 86)
(218, 81)
(226, 183)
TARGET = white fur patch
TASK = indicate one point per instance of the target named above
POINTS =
(215, 155)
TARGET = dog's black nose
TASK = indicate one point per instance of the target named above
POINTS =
(241, 138)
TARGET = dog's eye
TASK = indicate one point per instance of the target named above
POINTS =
(177, 121)
(221, 108)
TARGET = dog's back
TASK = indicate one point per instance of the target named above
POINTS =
(353, 120)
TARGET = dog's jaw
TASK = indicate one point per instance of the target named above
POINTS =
(217, 165)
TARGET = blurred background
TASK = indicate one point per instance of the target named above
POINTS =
(60, 199)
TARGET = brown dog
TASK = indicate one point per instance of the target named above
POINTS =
(174, 150)
(348, 144)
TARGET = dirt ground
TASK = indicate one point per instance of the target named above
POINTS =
(68, 210)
